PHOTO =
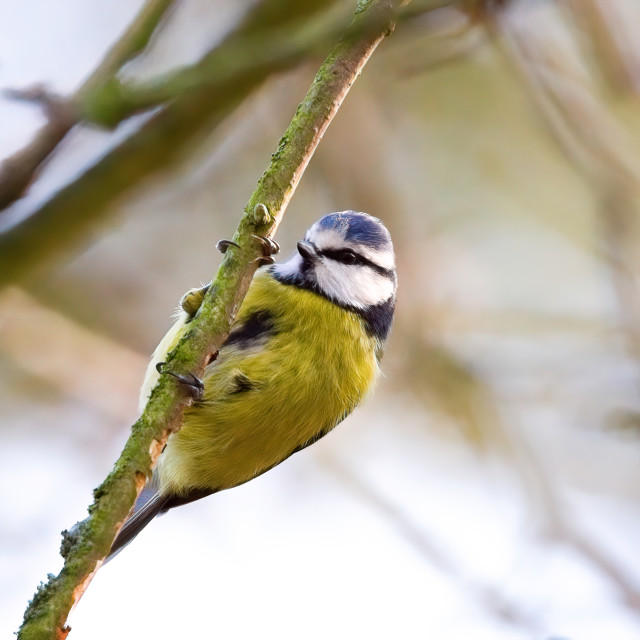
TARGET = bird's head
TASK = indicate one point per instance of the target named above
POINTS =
(346, 257)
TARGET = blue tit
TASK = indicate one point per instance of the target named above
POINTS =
(303, 352)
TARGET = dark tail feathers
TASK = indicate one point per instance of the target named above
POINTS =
(150, 503)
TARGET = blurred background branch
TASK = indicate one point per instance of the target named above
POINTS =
(18, 171)
(595, 143)
(79, 363)
(76, 209)
(274, 35)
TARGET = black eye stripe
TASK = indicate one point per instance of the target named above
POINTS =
(348, 256)
(345, 256)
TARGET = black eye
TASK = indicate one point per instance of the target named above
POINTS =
(347, 256)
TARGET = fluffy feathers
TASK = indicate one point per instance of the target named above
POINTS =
(302, 354)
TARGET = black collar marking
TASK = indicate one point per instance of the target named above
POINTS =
(377, 318)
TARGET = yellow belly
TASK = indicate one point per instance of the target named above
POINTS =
(301, 381)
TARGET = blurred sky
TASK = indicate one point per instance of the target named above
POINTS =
(485, 491)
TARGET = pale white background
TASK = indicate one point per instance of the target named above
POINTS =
(387, 527)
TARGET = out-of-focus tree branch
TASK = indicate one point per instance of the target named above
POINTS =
(596, 145)
(247, 48)
(76, 361)
(200, 98)
(611, 36)
(77, 209)
(85, 549)
(18, 171)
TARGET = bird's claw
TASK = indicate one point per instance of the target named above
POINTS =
(269, 247)
(223, 245)
(193, 385)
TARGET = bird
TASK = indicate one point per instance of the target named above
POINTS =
(302, 353)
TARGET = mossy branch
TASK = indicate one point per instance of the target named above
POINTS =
(299, 35)
(85, 549)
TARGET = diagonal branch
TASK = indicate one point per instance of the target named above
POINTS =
(85, 549)
(292, 40)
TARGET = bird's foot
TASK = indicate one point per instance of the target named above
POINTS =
(269, 248)
(261, 214)
(223, 245)
(192, 384)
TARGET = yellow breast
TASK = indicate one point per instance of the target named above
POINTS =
(268, 397)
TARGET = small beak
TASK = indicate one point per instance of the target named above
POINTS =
(307, 251)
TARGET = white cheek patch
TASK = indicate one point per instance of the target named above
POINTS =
(354, 285)
(289, 268)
